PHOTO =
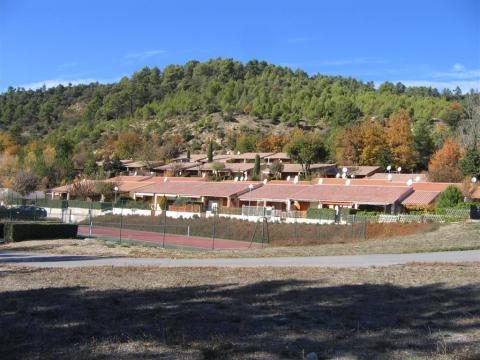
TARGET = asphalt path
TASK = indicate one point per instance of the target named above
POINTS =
(351, 261)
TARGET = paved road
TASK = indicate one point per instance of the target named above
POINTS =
(50, 260)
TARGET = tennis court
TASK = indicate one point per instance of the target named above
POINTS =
(167, 239)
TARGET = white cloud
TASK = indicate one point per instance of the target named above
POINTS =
(459, 72)
(465, 85)
(358, 60)
(144, 54)
(299, 40)
(68, 65)
(459, 75)
(55, 82)
(458, 68)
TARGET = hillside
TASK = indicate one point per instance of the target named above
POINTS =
(195, 90)
(236, 105)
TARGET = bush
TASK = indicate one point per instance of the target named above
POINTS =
(131, 204)
(324, 213)
(368, 213)
(451, 197)
(22, 231)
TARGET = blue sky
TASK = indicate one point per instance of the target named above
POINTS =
(433, 43)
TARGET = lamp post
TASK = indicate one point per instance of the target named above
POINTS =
(115, 189)
(250, 188)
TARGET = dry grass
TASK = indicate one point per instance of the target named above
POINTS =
(448, 237)
(414, 311)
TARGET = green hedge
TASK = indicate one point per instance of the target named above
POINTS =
(323, 213)
(21, 231)
(132, 204)
(59, 204)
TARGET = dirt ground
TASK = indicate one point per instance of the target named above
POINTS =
(402, 312)
(447, 237)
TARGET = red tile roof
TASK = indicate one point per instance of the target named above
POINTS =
(250, 155)
(296, 168)
(198, 189)
(359, 170)
(355, 194)
(421, 198)
(400, 177)
(130, 178)
(376, 195)
(278, 156)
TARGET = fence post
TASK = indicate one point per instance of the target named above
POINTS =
(365, 226)
(121, 222)
(90, 221)
(164, 222)
(213, 230)
(263, 225)
(295, 226)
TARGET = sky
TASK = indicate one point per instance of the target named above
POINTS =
(417, 42)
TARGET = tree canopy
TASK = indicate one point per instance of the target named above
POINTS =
(248, 107)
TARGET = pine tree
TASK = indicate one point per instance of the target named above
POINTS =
(210, 152)
(256, 168)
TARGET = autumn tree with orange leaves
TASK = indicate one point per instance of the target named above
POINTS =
(348, 146)
(443, 166)
(372, 140)
(398, 135)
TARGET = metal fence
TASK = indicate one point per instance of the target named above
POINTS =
(121, 223)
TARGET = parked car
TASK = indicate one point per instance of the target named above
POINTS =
(29, 212)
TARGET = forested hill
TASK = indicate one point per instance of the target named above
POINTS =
(221, 100)
(224, 86)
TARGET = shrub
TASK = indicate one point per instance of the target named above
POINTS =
(25, 182)
(21, 231)
(324, 213)
(451, 197)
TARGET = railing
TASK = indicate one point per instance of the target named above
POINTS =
(194, 208)
(229, 211)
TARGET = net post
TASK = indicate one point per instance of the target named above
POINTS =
(121, 222)
(164, 222)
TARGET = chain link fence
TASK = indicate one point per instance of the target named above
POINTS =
(133, 222)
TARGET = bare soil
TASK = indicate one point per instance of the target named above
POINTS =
(415, 311)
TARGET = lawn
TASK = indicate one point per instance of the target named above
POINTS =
(447, 237)
(401, 312)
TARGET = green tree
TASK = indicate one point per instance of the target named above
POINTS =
(306, 150)
(210, 152)
(217, 167)
(113, 166)
(63, 163)
(276, 169)
(256, 168)
(246, 143)
(451, 197)
(469, 165)
(423, 143)
(90, 166)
